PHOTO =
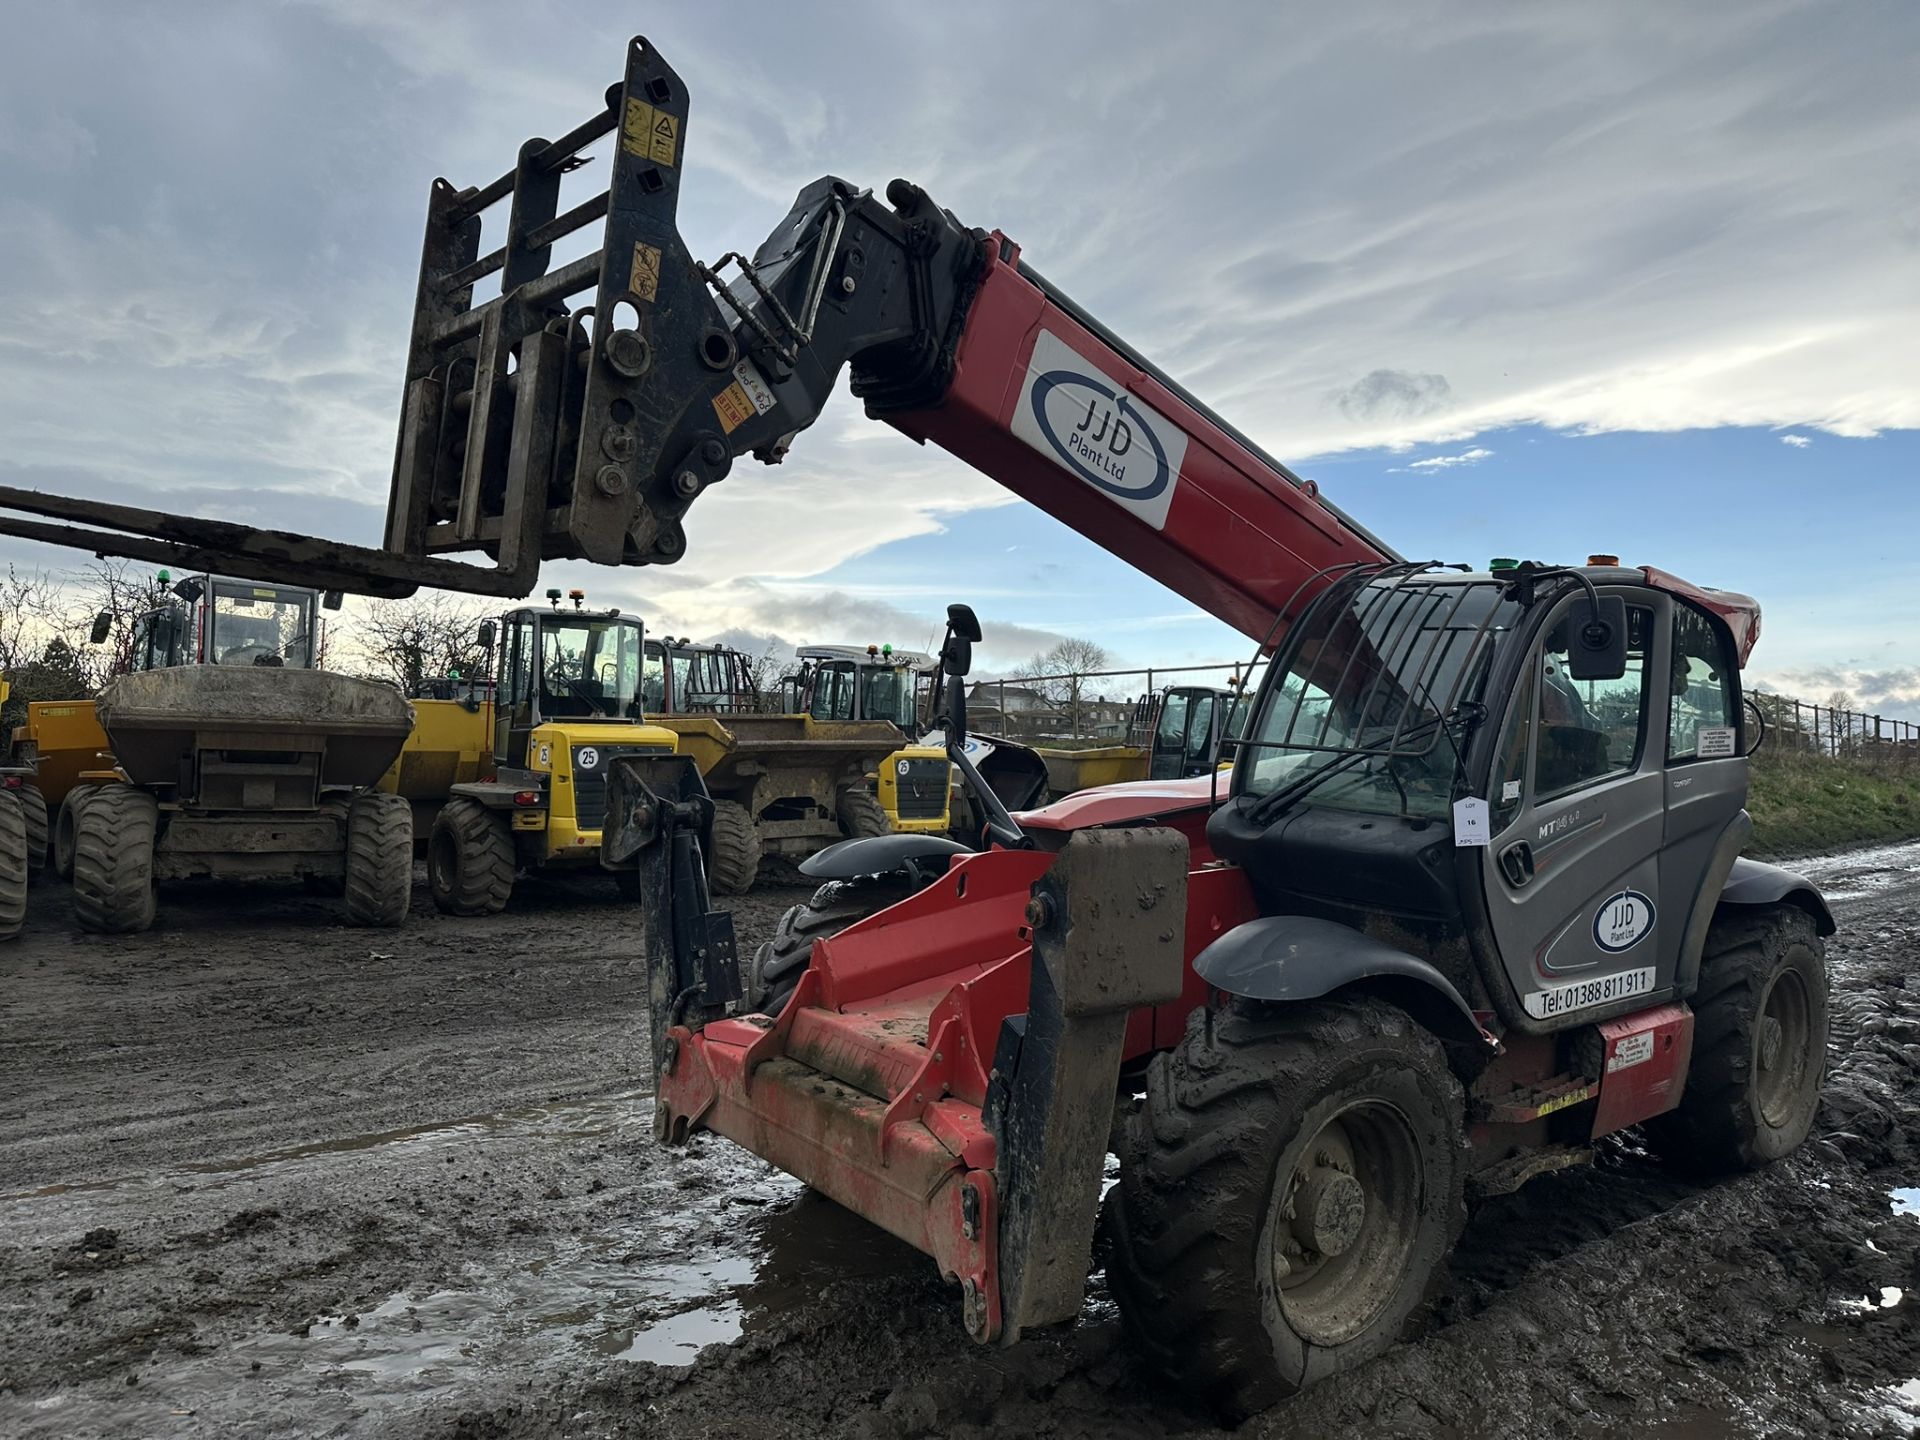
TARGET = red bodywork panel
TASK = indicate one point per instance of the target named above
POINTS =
(1647, 1057)
(1741, 612)
(1171, 802)
(1239, 538)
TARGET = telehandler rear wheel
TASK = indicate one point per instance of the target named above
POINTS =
(1287, 1195)
(63, 829)
(1759, 1045)
(862, 815)
(13, 865)
(775, 970)
(34, 804)
(379, 882)
(113, 880)
(735, 860)
(470, 862)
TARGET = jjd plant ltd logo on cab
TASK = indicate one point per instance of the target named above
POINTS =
(1088, 425)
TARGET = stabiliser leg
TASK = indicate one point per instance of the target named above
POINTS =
(1108, 926)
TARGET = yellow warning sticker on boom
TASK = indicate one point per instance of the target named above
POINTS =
(650, 133)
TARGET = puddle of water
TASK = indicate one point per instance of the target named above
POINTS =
(1859, 874)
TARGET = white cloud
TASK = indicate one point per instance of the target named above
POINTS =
(1447, 462)
(1598, 218)
(1798, 442)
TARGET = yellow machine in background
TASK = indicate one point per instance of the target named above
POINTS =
(538, 743)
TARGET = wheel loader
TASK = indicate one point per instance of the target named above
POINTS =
(563, 705)
(1470, 899)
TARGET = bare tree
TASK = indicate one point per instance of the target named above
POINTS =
(764, 670)
(431, 633)
(31, 613)
(1062, 671)
(121, 592)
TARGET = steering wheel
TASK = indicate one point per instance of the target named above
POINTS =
(250, 653)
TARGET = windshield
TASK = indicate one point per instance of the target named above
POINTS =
(589, 666)
(260, 625)
(890, 695)
(1369, 685)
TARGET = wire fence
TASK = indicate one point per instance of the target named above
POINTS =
(1106, 706)
(1800, 727)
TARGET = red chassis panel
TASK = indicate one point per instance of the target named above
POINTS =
(870, 1084)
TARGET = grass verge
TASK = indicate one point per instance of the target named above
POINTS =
(1808, 804)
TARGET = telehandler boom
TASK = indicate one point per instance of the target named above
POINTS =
(1470, 898)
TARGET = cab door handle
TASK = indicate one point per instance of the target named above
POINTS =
(1516, 863)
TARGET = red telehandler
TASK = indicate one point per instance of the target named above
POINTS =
(1471, 897)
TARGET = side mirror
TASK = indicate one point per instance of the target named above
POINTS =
(332, 600)
(957, 714)
(1597, 639)
(486, 635)
(956, 656)
(961, 621)
(189, 589)
(102, 627)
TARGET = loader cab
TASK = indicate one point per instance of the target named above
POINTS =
(846, 682)
(563, 665)
(1429, 759)
(683, 678)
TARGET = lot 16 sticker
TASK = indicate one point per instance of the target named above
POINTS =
(1088, 425)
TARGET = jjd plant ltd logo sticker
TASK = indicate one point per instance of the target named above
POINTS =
(1624, 921)
(1088, 425)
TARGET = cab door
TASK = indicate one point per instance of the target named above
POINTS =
(1577, 815)
(1168, 757)
(514, 718)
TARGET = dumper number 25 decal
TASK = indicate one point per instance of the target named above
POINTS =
(1088, 425)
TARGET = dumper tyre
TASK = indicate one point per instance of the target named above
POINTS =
(34, 805)
(470, 860)
(63, 829)
(1759, 1045)
(777, 965)
(862, 815)
(13, 865)
(113, 870)
(379, 879)
(735, 860)
(1289, 1192)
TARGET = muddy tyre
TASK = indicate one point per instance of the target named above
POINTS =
(735, 860)
(1759, 1045)
(335, 807)
(13, 864)
(34, 805)
(862, 815)
(470, 861)
(379, 879)
(1288, 1194)
(63, 829)
(775, 970)
(113, 879)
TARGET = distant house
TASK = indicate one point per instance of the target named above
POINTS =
(1012, 699)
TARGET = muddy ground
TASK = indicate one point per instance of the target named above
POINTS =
(262, 1174)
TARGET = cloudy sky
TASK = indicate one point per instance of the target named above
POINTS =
(1529, 280)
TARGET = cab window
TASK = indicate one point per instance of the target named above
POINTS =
(1200, 730)
(1589, 729)
(1510, 762)
(832, 693)
(1701, 696)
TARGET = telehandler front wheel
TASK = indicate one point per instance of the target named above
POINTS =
(34, 805)
(1759, 1045)
(1287, 1196)
(735, 860)
(470, 861)
(379, 879)
(113, 879)
(13, 865)
(775, 970)
(63, 829)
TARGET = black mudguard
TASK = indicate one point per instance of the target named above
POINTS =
(921, 858)
(1754, 883)
(1282, 958)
